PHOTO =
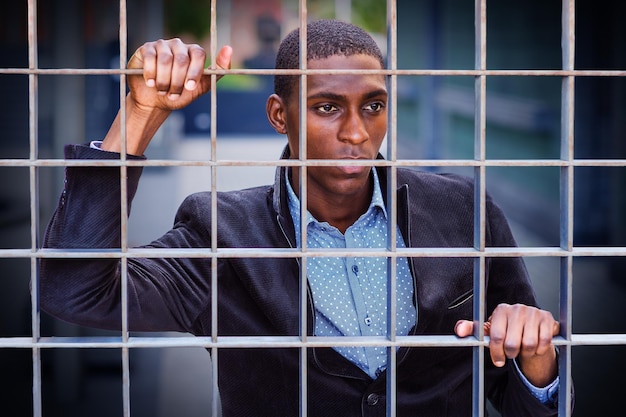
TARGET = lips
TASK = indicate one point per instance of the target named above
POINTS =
(354, 169)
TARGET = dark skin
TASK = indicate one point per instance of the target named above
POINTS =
(346, 119)
(172, 78)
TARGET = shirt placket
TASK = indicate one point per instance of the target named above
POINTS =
(359, 278)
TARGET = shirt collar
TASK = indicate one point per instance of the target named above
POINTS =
(294, 202)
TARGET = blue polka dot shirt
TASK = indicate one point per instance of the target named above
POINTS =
(350, 294)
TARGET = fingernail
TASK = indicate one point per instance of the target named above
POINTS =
(150, 83)
(190, 85)
(457, 327)
(174, 96)
(499, 364)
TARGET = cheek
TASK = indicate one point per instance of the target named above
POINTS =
(314, 147)
(293, 135)
(378, 129)
(319, 137)
(294, 146)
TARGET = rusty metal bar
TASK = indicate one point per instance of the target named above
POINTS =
(316, 162)
(123, 43)
(33, 114)
(536, 251)
(392, 212)
(480, 118)
(399, 72)
(326, 162)
(567, 204)
(235, 342)
(215, 397)
(303, 196)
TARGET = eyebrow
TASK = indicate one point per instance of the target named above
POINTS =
(338, 97)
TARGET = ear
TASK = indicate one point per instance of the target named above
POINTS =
(277, 113)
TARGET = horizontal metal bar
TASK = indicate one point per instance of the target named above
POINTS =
(397, 72)
(285, 341)
(236, 342)
(489, 252)
(317, 162)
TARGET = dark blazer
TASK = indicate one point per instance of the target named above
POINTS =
(259, 296)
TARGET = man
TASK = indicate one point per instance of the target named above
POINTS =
(346, 208)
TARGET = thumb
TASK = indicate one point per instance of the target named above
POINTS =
(135, 61)
(224, 57)
(222, 61)
(464, 328)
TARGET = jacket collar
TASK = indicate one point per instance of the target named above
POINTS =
(280, 201)
(281, 204)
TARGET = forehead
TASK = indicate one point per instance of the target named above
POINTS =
(356, 62)
(344, 83)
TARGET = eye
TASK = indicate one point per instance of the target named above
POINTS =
(375, 107)
(326, 108)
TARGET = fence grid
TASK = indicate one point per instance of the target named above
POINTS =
(565, 252)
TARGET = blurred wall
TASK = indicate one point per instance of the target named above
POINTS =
(436, 120)
(71, 109)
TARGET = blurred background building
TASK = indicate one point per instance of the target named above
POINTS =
(435, 121)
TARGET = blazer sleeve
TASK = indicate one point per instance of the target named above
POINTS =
(87, 291)
(508, 282)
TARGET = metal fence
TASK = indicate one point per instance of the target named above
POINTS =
(566, 252)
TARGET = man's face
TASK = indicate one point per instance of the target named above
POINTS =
(346, 119)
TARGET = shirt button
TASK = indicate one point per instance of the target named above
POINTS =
(372, 399)
(355, 269)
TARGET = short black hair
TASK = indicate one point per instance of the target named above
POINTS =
(325, 38)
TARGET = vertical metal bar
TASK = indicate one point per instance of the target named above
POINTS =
(480, 22)
(215, 400)
(480, 89)
(213, 133)
(303, 211)
(123, 39)
(567, 205)
(125, 355)
(565, 352)
(392, 185)
(33, 114)
(343, 10)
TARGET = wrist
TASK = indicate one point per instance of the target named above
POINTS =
(144, 112)
(540, 371)
(142, 122)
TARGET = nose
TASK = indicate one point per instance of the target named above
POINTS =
(353, 128)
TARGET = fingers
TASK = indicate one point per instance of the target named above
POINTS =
(172, 61)
(175, 65)
(224, 57)
(171, 66)
(515, 330)
(549, 328)
(223, 61)
(497, 338)
(464, 328)
(520, 330)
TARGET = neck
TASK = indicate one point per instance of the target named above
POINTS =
(338, 210)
